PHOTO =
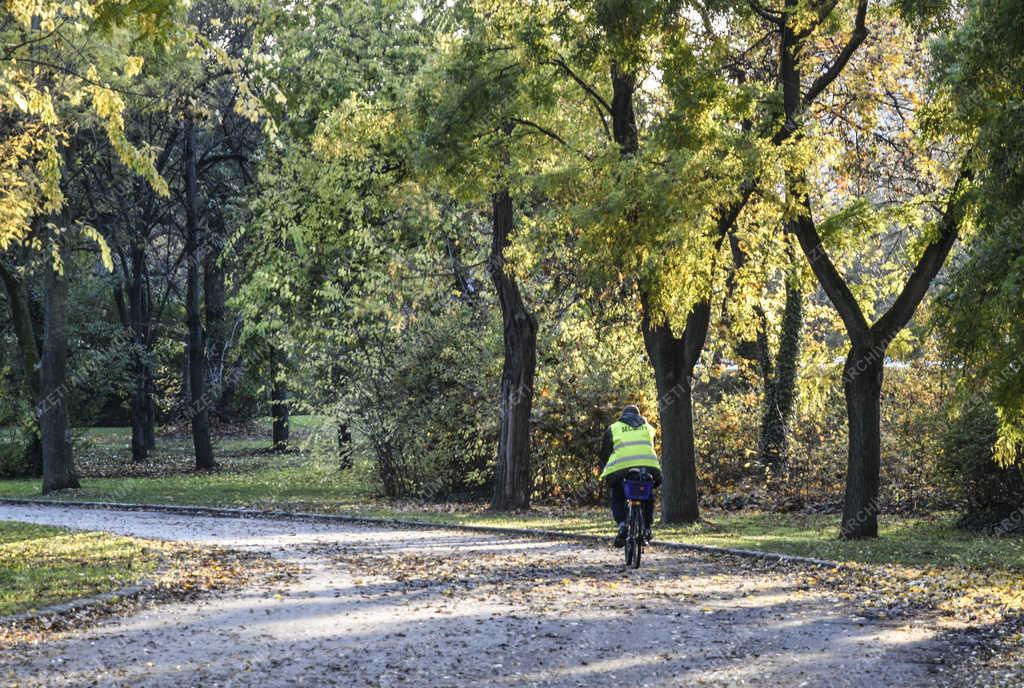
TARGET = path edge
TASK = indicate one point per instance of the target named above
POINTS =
(61, 608)
(228, 512)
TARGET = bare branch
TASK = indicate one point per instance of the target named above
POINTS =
(860, 32)
(765, 13)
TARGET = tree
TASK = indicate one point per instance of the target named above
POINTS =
(327, 243)
(59, 58)
(513, 477)
(471, 107)
(864, 366)
(218, 123)
(695, 166)
(28, 348)
(199, 414)
(134, 216)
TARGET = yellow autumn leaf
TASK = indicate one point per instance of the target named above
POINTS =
(133, 66)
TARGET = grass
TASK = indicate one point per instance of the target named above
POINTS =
(286, 486)
(41, 566)
(304, 482)
(906, 540)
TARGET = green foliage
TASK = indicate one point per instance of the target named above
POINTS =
(422, 401)
(589, 367)
(727, 413)
(17, 429)
(981, 67)
(310, 58)
(991, 492)
(66, 66)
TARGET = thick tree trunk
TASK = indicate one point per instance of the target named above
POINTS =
(673, 358)
(58, 462)
(279, 401)
(513, 474)
(862, 384)
(196, 353)
(673, 374)
(780, 386)
(24, 332)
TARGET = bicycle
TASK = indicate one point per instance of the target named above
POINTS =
(639, 488)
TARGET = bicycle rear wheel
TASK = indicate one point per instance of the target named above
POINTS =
(634, 535)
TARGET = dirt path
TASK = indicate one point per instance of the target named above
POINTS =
(381, 606)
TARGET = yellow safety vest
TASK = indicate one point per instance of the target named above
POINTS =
(631, 448)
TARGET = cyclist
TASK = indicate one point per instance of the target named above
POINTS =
(628, 444)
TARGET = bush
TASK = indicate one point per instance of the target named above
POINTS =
(17, 432)
(993, 496)
(423, 399)
(727, 414)
(585, 374)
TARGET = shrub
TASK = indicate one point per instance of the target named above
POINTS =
(585, 374)
(991, 494)
(17, 431)
(423, 399)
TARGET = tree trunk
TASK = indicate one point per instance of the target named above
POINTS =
(668, 353)
(780, 386)
(513, 474)
(58, 462)
(150, 427)
(279, 409)
(279, 401)
(139, 325)
(862, 384)
(345, 459)
(214, 301)
(199, 406)
(673, 358)
(673, 372)
(140, 450)
(24, 332)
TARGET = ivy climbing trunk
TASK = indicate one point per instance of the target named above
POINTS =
(780, 385)
(513, 476)
(51, 409)
(198, 409)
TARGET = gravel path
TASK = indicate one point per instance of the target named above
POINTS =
(382, 606)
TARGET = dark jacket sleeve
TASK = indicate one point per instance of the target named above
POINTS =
(606, 447)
